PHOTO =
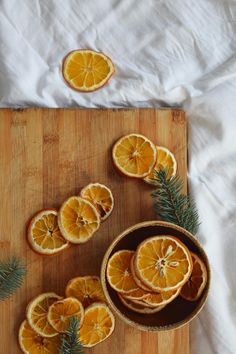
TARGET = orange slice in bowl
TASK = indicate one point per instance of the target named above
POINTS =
(37, 311)
(86, 289)
(86, 70)
(140, 306)
(163, 263)
(161, 298)
(102, 198)
(134, 155)
(137, 280)
(44, 235)
(148, 297)
(31, 342)
(78, 219)
(119, 273)
(61, 311)
(194, 287)
(98, 325)
(165, 160)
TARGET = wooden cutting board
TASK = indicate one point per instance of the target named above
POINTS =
(47, 155)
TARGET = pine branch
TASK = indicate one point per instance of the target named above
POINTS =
(12, 273)
(70, 342)
(171, 204)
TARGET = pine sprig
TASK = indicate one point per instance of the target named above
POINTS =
(70, 342)
(171, 204)
(12, 273)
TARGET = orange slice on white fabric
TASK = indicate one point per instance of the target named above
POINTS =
(33, 343)
(163, 263)
(78, 219)
(165, 160)
(134, 155)
(37, 311)
(98, 325)
(101, 197)
(87, 290)
(44, 235)
(87, 70)
(193, 288)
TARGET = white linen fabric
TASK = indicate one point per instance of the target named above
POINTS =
(167, 52)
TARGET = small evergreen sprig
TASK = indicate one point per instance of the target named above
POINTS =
(171, 204)
(12, 273)
(70, 342)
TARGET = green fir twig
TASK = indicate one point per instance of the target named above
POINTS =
(12, 273)
(171, 204)
(70, 342)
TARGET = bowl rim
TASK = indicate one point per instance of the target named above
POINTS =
(106, 257)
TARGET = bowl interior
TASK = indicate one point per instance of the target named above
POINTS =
(176, 313)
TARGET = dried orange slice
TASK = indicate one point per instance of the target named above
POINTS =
(134, 155)
(161, 298)
(194, 287)
(137, 280)
(86, 289)
(32, 343)
(78, 219)
(86, 70)
(148, 297)
(137, 294)
(98, 325)
(37, 311)
(61, 311)
(44, 235)
(119, 273)
(140, 306)
(163, 263)
(165, 160)
(102, 198)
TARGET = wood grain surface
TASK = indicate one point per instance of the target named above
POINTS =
(47, 155)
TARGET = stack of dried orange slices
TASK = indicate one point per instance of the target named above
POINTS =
(51, 231)
(160, 269)
(136, 156)
(48, 316)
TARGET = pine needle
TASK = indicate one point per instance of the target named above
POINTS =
(12, 273)
(171, 204)
(70, 342)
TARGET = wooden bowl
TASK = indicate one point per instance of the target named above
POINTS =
(178, 312)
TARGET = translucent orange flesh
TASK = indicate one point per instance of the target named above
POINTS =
(164, 161)
(100, 197)
(86, 70)
(96, 327)
(32, 343)
(162, 263)
(148, 296)
(134, 155)
(135, 276)
(79, 219)
(61, 311)
(39, 316)
(86, 289)
(119, 273)
(46, 233)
